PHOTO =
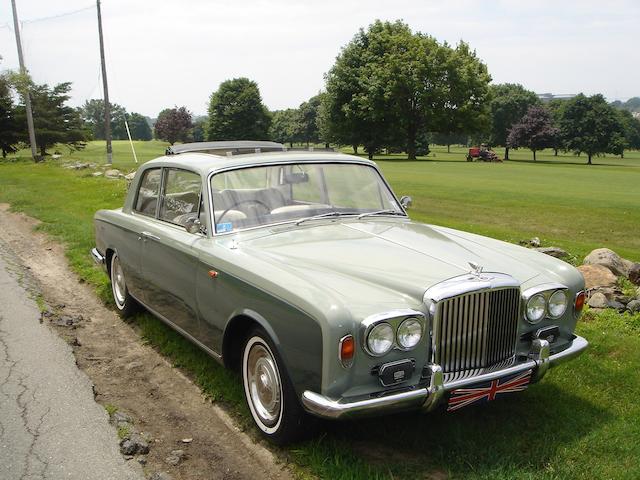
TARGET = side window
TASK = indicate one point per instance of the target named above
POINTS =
(180, 199)
(147, 199)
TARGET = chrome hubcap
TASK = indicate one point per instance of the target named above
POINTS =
(264, 384)
(119, 285)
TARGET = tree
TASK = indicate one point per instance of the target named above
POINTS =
(93, 116)
(535, 130)
(139, 127)
(308, 120)
(590, 125)
(11, 131)
(173, 124)
(389, 85)
(555, 107)
(509, 103)
(285, 126)
(236, 112)
(199, 126)
(449, 138)
(55, 122)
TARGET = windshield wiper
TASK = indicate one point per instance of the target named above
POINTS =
(388, 211)
(322, 215)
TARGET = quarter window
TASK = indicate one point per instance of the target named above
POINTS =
(147, 199)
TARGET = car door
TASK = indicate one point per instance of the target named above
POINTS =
(169, 259)
(129, 246)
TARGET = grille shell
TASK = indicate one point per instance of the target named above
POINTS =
(476, 330)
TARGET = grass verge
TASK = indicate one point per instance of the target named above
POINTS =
(582, 421)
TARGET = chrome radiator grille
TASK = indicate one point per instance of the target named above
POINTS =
(476, 330)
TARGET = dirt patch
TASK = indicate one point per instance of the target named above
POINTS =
(163, 403)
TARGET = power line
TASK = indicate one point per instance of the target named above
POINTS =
(60, 15)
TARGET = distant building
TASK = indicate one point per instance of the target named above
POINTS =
(547, 97)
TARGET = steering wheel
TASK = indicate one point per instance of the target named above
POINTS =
(249, 200)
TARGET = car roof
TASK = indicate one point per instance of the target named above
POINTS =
(204, 163)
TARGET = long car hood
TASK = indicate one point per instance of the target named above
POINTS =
(383, 260)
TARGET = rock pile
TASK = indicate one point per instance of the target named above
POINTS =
(601, 270)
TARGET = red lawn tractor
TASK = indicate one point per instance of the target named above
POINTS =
(482, 154)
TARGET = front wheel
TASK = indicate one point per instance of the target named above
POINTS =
(269, 393)
(125, 303)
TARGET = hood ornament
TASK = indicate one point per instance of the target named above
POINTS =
(476, 269)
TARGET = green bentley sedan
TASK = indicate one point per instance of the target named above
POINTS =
(302, 271)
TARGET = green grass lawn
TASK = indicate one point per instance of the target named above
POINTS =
(582, 421)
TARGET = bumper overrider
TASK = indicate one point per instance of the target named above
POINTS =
(429, 397)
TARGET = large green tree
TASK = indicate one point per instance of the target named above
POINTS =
(509, 103)
(389, 86)
(308, 118)
(55, 122)
(236, 112)
(93, 116)
(11, 131)
(139, 127)
(590, 125)
(285, 126)
(173, 125)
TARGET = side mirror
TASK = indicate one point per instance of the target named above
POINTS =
(406, 201)
(193, 225)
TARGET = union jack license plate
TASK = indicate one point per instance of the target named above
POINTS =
(488, 391)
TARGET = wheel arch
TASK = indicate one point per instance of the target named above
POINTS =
(235, 334)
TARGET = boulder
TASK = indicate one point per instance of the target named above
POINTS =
(634, 306)
(534, 242)
(112, 173)
(130, 176)
(634, 273)
(553, 251)
(610, 259)
(96, 174)
(597, 276)
(598, 300)
(134, 444)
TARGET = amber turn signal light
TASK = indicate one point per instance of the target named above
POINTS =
(579, 303)
(347, 350)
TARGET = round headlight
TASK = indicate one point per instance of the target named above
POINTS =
(380, 339)
(409, 333)
(536, 307)
(558, 303)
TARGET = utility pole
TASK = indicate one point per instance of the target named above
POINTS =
(107, 106)
(27, 95)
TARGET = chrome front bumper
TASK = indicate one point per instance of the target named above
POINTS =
(97, 256)
(429, 397)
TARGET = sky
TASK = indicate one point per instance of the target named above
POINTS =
(162, 53)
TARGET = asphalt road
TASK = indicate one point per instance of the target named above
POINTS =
(50, 425)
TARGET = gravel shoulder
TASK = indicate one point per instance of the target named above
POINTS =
(164, 405)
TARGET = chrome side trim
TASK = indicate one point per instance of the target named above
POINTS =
(97, 256)
(430, 397)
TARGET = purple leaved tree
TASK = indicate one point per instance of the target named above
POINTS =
(535, 130)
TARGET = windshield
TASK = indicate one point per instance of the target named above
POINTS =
(255, 196)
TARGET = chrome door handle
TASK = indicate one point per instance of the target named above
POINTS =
(150, 235)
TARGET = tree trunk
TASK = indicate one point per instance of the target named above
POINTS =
(355, 149)
(370, 155)
(448, 148)
(411, 143)
(589, 161)
(534, 155)
(622, 154)
(43, 152)
(555, 152)
(506, 153)
(327, 146)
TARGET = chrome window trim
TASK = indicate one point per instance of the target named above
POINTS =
(393, 318)
(290, 162)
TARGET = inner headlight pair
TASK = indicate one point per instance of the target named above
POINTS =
(382, 337)
(543, 303)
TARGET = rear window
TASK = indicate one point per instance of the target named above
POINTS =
(147, 197)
